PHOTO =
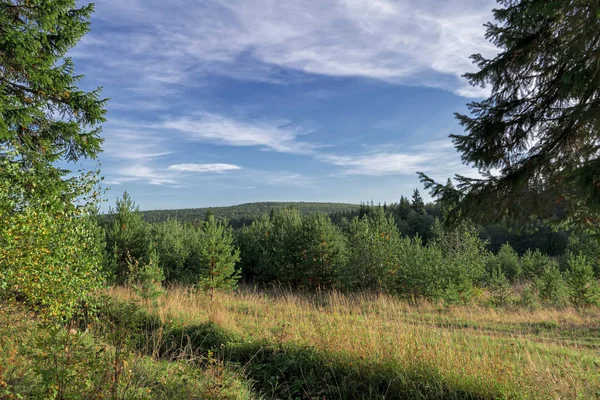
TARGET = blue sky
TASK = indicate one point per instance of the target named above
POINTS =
(220, 102)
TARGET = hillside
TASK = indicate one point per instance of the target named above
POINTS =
(244, 212)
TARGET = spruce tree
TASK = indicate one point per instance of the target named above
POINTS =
(534, 139)
(218, 257)
(44, 116)
(418, 205)
(127, 237)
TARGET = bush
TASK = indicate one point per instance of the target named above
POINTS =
(530, 297)
(373, 243)
(500, 288)
(535, 263)
(582, 286)
(419, 272)
(551, 286)
(50, 243)
(465, 257)
(322, 250)
(507, 260)
(588, 246)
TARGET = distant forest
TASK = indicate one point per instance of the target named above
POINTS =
(412, 217)
(244, 214)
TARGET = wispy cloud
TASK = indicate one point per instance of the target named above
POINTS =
(416, 42)
(277, 135)
(436, 158)
(216, 168)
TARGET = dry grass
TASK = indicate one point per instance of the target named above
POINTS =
(499, 353)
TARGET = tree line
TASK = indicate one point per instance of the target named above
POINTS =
(311, 252)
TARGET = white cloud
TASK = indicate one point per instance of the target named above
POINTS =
(416, 42)
(277, 135)
(438, 159)
(218, 168)
(379, 163)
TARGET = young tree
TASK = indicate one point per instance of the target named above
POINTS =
(584, 290)
(373, 245)
(534, 138)
(507, 260)
(322, 252)
(218, 257)
(551, 286)
(127, 237)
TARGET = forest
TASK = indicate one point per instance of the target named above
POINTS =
(490, 291)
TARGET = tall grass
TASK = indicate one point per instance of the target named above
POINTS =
(426, 350)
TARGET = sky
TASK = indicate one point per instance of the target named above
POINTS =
(222, 102)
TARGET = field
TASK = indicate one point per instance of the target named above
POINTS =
(334, 346)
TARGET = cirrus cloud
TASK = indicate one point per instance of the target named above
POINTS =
(216, 168)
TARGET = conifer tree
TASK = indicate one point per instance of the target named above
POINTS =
(418, 205)
(44, 116)
(218, 257)
(534, 139)
(127, 237)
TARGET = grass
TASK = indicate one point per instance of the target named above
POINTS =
(337, 346)
(41, 362)
(249, 344)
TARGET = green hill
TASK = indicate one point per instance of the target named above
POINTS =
(243, 213)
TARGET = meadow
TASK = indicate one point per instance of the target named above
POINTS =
(331, 345)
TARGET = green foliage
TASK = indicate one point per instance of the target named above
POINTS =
(551, 286)
(533, 138)
(465, 255)
(50, 244)
(50, 248)
(44, 116)
(533, 264)
(508, 261)
(126, 238)
(418, 205)
(373, 243)
(583, 287)
(419, 270)
(150, 278)
(530, 297)
(587, 245)
(176, 245)
(245, 214)
(322, 250)
(70, 364)
(499, 287)
(218, 257)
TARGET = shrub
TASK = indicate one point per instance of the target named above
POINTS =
(127, 238)
(50, 243)
(150, 278)
(530, 297)
(583, 287)
(373, 242)
(535, 263)
(507, 260)
(322, 250)
(588, 246)
(419, 272)
(551, 286)
(500, 287)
